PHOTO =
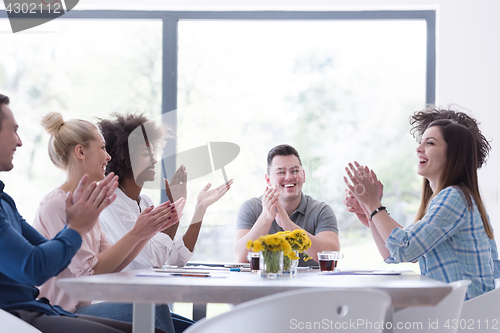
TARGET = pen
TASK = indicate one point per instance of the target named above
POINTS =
(188, 274)
(239, 269)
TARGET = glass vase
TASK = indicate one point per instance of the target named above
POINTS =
(271, 264)
(289, 265)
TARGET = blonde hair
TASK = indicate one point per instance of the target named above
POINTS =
(65, 135)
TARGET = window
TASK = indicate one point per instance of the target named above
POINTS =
(338, 91)
(83, 69)
(338, 86)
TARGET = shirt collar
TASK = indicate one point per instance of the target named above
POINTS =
(302, 205)
(131, 202)
(2, 186)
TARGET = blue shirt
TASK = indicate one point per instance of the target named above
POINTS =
(449, 242)
(27, 259)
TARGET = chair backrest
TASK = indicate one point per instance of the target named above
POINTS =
(11, 324)
(310, 308)
(481, 313)
(432, 318)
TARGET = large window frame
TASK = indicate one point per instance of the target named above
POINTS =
(170, 20)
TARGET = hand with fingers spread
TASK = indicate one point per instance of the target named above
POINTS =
(153, 220)
(83, 212)
(380, 192)
(207, 197)
(178, 186)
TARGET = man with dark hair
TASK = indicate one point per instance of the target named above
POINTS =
(283, 206)
(27, 259)
(4, 100)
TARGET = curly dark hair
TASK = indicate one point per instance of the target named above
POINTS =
(420, 120)
(116, 133)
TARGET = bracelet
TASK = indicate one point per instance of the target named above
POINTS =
(376, 211)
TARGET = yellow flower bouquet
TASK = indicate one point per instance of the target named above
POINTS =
(272, 248)
(299, 242)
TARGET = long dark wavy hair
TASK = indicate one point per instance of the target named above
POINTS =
(420, 120)
(460, 170)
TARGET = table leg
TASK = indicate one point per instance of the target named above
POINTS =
(388, 319)
(143, 318)
(199, 311)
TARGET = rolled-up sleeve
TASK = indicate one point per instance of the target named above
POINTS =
(180, 254)
(85, 260)
(444, 218)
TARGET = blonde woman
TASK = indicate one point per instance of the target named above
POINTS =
(77, 147)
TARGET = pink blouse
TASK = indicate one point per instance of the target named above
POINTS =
(49, 220)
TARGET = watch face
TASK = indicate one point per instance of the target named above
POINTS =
(26, 14)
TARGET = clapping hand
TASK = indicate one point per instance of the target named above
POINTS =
(282, 218)
(270, 199)
(84, 206)
(152, 220)
(365, 185)
(178, 187)
(111, 183)
(207, 197)
(179, 207)
(352, 204)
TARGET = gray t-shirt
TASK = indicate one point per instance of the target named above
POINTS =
(312, 215)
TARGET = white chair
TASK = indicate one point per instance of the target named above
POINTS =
(11, 324)
(303, 309)
(482, 313)
(432, 318)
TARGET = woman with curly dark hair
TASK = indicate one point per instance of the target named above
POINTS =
(132, 141)
(420, 120)
(451, 150)
(78, 147)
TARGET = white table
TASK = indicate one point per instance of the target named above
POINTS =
(407, 289)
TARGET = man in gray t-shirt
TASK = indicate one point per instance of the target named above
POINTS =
(283, 206)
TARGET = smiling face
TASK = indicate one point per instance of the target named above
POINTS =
(9, 139)
(432, 155)
(96, 157)
(289, 176)
(144, 163)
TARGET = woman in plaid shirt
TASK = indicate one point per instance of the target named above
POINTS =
(452, 237)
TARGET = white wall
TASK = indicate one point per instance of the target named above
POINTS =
(468, 71)
(468, 59)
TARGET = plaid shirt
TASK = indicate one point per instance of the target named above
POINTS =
(449, 242)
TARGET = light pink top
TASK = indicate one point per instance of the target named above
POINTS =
(49, 220)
